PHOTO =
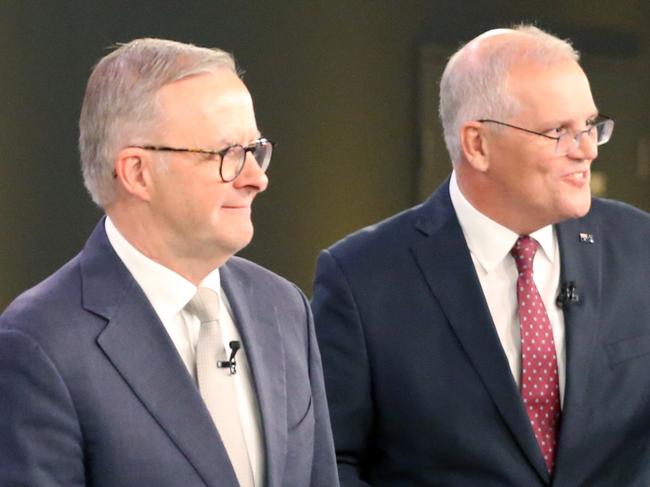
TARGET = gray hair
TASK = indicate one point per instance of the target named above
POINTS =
(474, 84)
(120, 103)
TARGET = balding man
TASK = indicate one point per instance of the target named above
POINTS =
(155, 358)
(499, 333)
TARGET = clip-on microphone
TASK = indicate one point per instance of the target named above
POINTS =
(231, 363)
(568, 295)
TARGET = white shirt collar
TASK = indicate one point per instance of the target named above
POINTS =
(487, 240)
(167, 291)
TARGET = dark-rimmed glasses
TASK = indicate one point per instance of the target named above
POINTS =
(599, 132)
(231, 159)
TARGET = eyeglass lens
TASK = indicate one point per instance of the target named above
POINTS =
(599, 134)
(235, 158)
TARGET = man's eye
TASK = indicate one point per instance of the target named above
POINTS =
(558, 131)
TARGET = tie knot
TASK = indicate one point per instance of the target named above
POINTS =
(524, 252)
(205, 305)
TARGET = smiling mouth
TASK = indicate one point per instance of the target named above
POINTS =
(577, 177)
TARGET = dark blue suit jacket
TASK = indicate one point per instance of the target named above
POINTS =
(94, 393)
(420, 390)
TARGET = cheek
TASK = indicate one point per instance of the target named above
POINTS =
(520, 164)
(195, 207)
(546, 172)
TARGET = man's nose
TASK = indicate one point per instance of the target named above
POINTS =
(252, 175)
(585, 146)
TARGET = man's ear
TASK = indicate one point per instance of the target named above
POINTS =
(474, 145)
(132, 170)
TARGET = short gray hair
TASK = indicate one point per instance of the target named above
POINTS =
(474, 83)
(120, 103)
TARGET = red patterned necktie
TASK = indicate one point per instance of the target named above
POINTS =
(540, 389)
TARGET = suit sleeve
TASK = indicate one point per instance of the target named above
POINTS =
(40, 438)
(346, 369)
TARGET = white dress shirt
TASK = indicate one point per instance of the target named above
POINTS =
(489, 244)
(168, 294)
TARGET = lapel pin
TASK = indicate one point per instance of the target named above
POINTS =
(586, 238)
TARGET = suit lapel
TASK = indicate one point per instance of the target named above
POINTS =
(258, 325)
(138, 346)
(581, 263)
(446, 264)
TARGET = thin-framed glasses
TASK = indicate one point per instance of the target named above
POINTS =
(599, 132)
(231, 159)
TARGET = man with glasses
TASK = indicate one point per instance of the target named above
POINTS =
(499, 333)
(155, 357)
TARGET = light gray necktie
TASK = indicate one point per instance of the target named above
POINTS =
(217, 385)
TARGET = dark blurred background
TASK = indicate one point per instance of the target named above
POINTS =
(347, 89)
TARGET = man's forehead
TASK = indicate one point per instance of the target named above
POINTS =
(208, 109)
(205, 91)
(559, 90)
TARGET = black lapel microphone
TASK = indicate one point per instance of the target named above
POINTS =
(231, 363)
(568, 295)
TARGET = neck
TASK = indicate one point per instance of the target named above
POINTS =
(480, 193)
(161, 247)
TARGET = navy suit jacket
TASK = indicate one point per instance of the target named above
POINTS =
(94, 393)
(419, 386)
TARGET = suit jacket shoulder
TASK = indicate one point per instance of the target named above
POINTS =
(620, 221)
(252, 275)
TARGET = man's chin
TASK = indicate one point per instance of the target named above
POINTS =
(240, 242)
(579, 208)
